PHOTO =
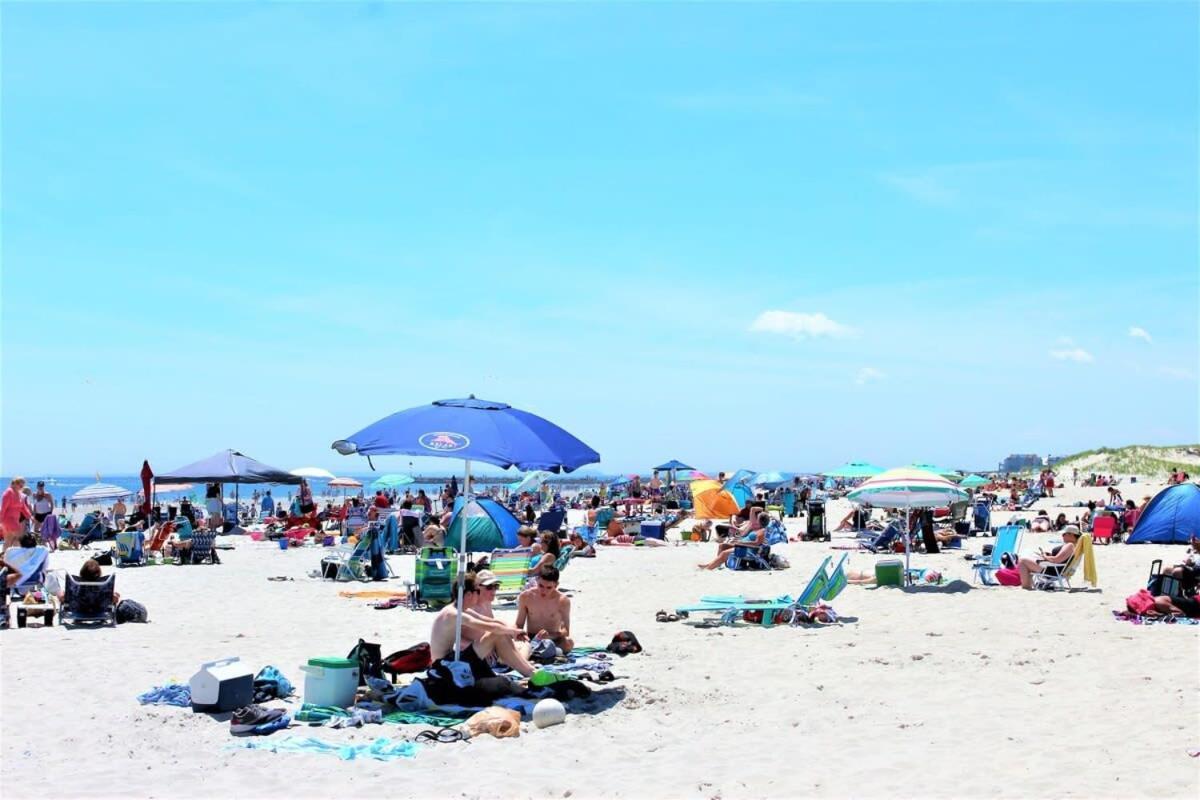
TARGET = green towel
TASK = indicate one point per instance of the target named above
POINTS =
(420, 718)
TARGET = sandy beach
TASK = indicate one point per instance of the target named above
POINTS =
(987, 692)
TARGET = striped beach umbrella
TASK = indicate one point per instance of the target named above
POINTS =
(906, 487)
(99, 492)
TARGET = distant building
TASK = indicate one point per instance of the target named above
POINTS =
(1020, 461)
(1052, 460)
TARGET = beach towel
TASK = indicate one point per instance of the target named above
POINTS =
(382, 749)
(50, 529)
(1088, 554)
(173, 694)
(1139, 619)
(30, 562)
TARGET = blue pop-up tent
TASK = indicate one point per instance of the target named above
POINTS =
(1172, 517)
(490, 526)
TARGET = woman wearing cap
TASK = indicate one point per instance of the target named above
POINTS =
(1051, 563)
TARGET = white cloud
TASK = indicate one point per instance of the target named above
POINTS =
(798, 324)
(1178, 373)
(1077, 354)
(1140, 333)
(867, 375)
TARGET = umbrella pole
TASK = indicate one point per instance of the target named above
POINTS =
(462, 562)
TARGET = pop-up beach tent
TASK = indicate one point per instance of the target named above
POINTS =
(227, 466)
(490, 526)
(1172, 517)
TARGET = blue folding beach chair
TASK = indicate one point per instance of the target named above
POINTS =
(983, 516)
(727, 606)
(1008, 540)
(747, 557)
(883, 541)
(131, 549)
(552, 520)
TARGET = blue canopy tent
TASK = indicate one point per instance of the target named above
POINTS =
(473, 430)
(490, 526)
(228, 466)
(620, 481)
(1172, 517)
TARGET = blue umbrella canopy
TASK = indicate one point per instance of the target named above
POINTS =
(673, 464)
(392, 481)
(769, 480)
(475, 430)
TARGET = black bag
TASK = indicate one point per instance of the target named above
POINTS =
(132, 611)
(105, 559)
(329, 569)
(370, 660)
(623, 643)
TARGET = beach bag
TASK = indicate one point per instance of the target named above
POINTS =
(543, 651)
(623, 643)
(1009, 576)
(1140, 603)
(370, 660)
(132, 611)
(412, 659)
(105, 559)
(500, 722)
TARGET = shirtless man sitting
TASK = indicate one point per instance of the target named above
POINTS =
(544, 612)
(482, 636)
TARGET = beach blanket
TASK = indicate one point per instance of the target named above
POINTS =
(374, 594)
(173, 694)
(382, 749)
(1170, 619)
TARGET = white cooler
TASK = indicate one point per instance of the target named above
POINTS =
(222, 685)
(330, 681)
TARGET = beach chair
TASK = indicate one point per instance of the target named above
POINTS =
(511, 568)
(882, 541)
(364, 561)
(564, 557)
(203, 548)
(552, 520)
(772, 610)
(1060, 578)
(982, 517)
(436, 570)
(31, 563)
(749, 557)
(159, 539)
(88, 602)
(89, 530)
(131, 549)
(836, 581)
(1104, 529)
(1008, 540)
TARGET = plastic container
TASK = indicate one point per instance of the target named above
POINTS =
(222, 685)
(330, 681)
(889, 572)
(283, 543)
(256, 536)
(328, 541)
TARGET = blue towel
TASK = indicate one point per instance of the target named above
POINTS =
(382, 749)
(173, 694)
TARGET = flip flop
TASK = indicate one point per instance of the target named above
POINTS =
(666, 616)
(440, 736)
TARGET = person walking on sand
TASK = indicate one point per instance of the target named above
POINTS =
(43, 506)
(13, 510)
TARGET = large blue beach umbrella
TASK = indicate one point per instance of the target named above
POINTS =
(473, 430)
(769, 480)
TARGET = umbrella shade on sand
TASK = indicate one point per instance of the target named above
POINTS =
(855, 469)
(906, 488)
(473, 430)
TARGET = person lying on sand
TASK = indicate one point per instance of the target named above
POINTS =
(545, 612)
(482, 637)
(580, 548)
(748, 538)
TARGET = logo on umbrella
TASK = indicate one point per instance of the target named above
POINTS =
(443, 441)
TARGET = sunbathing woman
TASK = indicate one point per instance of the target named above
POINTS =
(749, 538)
(1051, 563)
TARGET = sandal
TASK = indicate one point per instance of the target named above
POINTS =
(665, 616)
(440, 736)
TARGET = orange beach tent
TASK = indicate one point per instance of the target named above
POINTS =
(710, 501)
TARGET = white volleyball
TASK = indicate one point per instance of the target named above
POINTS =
(548, 712)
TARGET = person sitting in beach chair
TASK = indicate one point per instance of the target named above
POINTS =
(89, 601)
(1052, 563)
(748, 539)
(580, 548)
(90, 573)
(547, 555)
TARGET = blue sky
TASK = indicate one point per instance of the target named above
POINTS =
(764, 236)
